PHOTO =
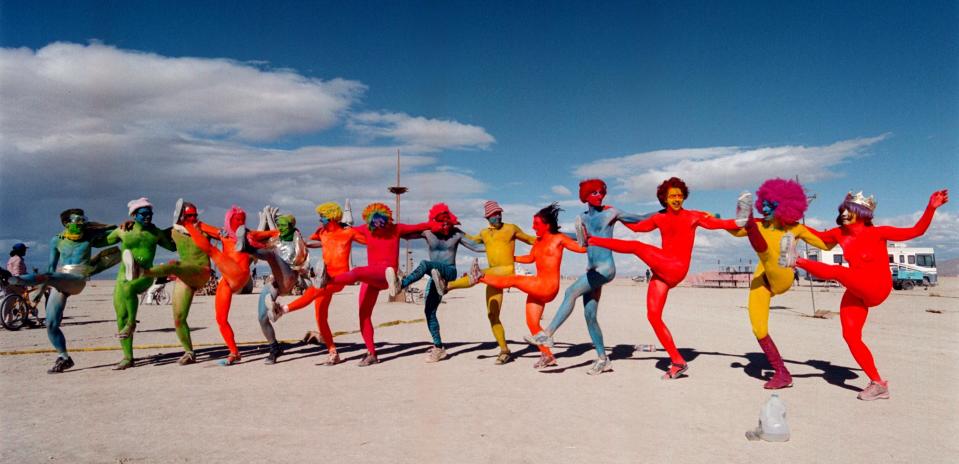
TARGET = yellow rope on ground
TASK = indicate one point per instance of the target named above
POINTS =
(195, 345)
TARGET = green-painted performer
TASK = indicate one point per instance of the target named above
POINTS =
(138, 243)
(68, 269)
(192, 271)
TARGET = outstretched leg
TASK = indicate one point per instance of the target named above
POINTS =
(664, 265)
(859, 285)
(577, 289)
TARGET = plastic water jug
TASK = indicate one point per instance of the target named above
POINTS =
(772, 421)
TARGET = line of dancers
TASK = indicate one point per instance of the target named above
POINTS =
(773, 235)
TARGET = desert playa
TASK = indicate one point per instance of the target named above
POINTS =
(466, 409)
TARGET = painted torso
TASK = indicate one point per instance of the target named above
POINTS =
(501, 243)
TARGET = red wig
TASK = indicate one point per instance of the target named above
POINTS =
(589, 186)
(441, 208)
(789, 196)
(673, 182)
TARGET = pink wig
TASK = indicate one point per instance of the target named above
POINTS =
(227, 219)
(441, 208)
(789, 195)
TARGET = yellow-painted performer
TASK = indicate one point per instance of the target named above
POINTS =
(500, 241)
(782, 203)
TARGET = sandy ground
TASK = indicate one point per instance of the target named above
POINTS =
(467, 409)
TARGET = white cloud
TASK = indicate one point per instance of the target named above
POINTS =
(561, 190)
(94, 126)
(419, 131)
(95, 93)
(636, 176)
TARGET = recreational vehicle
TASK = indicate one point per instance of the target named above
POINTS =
(901, 257)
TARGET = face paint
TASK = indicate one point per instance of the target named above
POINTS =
(324, 221)
(595, 198)
(769, 207)
(495, 220)
(237, 220)
(76, 224)
(540, 227)
(143, 215)
(674, 199)
(848, 217)
(378, 221)
(285, 225)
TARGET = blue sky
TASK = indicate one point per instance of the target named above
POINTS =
(294, 104)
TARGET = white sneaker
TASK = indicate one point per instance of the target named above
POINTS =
(436, 354)
(581, 235)
(276, 311)
(475, 272)
(392, 281)
(744, 206)
(601, 365)
(131, 270)
(787, 250)
(439, 283)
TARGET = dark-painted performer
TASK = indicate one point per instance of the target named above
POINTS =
(68, 269)
(441, 267)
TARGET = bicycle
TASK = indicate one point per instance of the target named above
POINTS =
(16, 309)
(156, 294)
(415, 295)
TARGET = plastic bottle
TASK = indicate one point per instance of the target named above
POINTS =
(772, 422)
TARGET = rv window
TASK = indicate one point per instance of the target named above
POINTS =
(902, 259)
(912, 259)
(891, 259)
(926, 260)
(837, 259)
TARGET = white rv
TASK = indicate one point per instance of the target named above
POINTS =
(911, 258)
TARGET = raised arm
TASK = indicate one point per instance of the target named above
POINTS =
(829, 238)
(632, 218)
(54, 254)
(805, 234)
(523, 236)
(707, 221)
(408, 230)
(473, 245)
(166, 239)
(525, 259)
(211, 231)
(571, 244)
(898, 234)
(646, 225)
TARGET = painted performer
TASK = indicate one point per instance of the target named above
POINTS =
(336, 239)
(868, 279)
(383, 252)
(289, 262)
(782, 204)
(542, 288)
(441, 267)
(138, 243)
(669, 264)
(598, 220)
(233, 263)
(68, 269)
(500, 242)
(192, 270)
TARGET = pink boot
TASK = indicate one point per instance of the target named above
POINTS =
(781, 377)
